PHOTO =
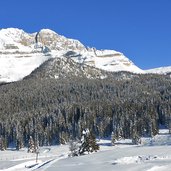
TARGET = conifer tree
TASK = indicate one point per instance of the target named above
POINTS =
(169, 126)
(73, 148)
(113, 138)
(31, 146)
(2, 145)
(88, 142)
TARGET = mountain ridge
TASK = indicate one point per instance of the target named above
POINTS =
(21, 53)
(160, 70)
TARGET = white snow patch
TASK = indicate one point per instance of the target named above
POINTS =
(122, 156)
(14, 68)
(159, 168)
(22, 166)
(161, 70)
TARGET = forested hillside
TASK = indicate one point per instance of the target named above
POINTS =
(54, 110)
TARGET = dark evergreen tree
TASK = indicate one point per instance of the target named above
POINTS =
(88, 142)
(2, 145)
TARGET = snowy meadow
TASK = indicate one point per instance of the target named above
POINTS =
(153, 154)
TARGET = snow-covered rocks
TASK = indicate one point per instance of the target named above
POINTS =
(161, 70)
(19, 50)
(21, 53)
(111, 60)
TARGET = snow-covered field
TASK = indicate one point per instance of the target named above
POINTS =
(154, 154)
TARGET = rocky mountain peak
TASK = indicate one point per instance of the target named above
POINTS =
(19, 50)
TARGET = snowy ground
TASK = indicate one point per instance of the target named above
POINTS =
(154, 154)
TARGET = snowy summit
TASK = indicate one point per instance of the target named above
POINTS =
(21, 53)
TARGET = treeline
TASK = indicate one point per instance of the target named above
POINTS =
(53, 111)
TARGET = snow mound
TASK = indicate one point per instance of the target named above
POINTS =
(159, 168)
(140, 159)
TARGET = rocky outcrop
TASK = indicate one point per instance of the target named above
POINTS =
(16, 46)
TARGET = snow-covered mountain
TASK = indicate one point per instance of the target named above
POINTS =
(21, 53)
(161, 70)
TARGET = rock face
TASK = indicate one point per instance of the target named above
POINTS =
(66, 68)
(21, 53)
(12, 39)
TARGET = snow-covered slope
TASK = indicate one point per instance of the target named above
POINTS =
(161, 70)
(108, 60)
(21, 53)
(155, 155)
(122, 157)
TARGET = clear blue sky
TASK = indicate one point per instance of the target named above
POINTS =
(141, 29)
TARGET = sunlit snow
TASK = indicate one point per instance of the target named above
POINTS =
(122, 157)
(20, 55)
